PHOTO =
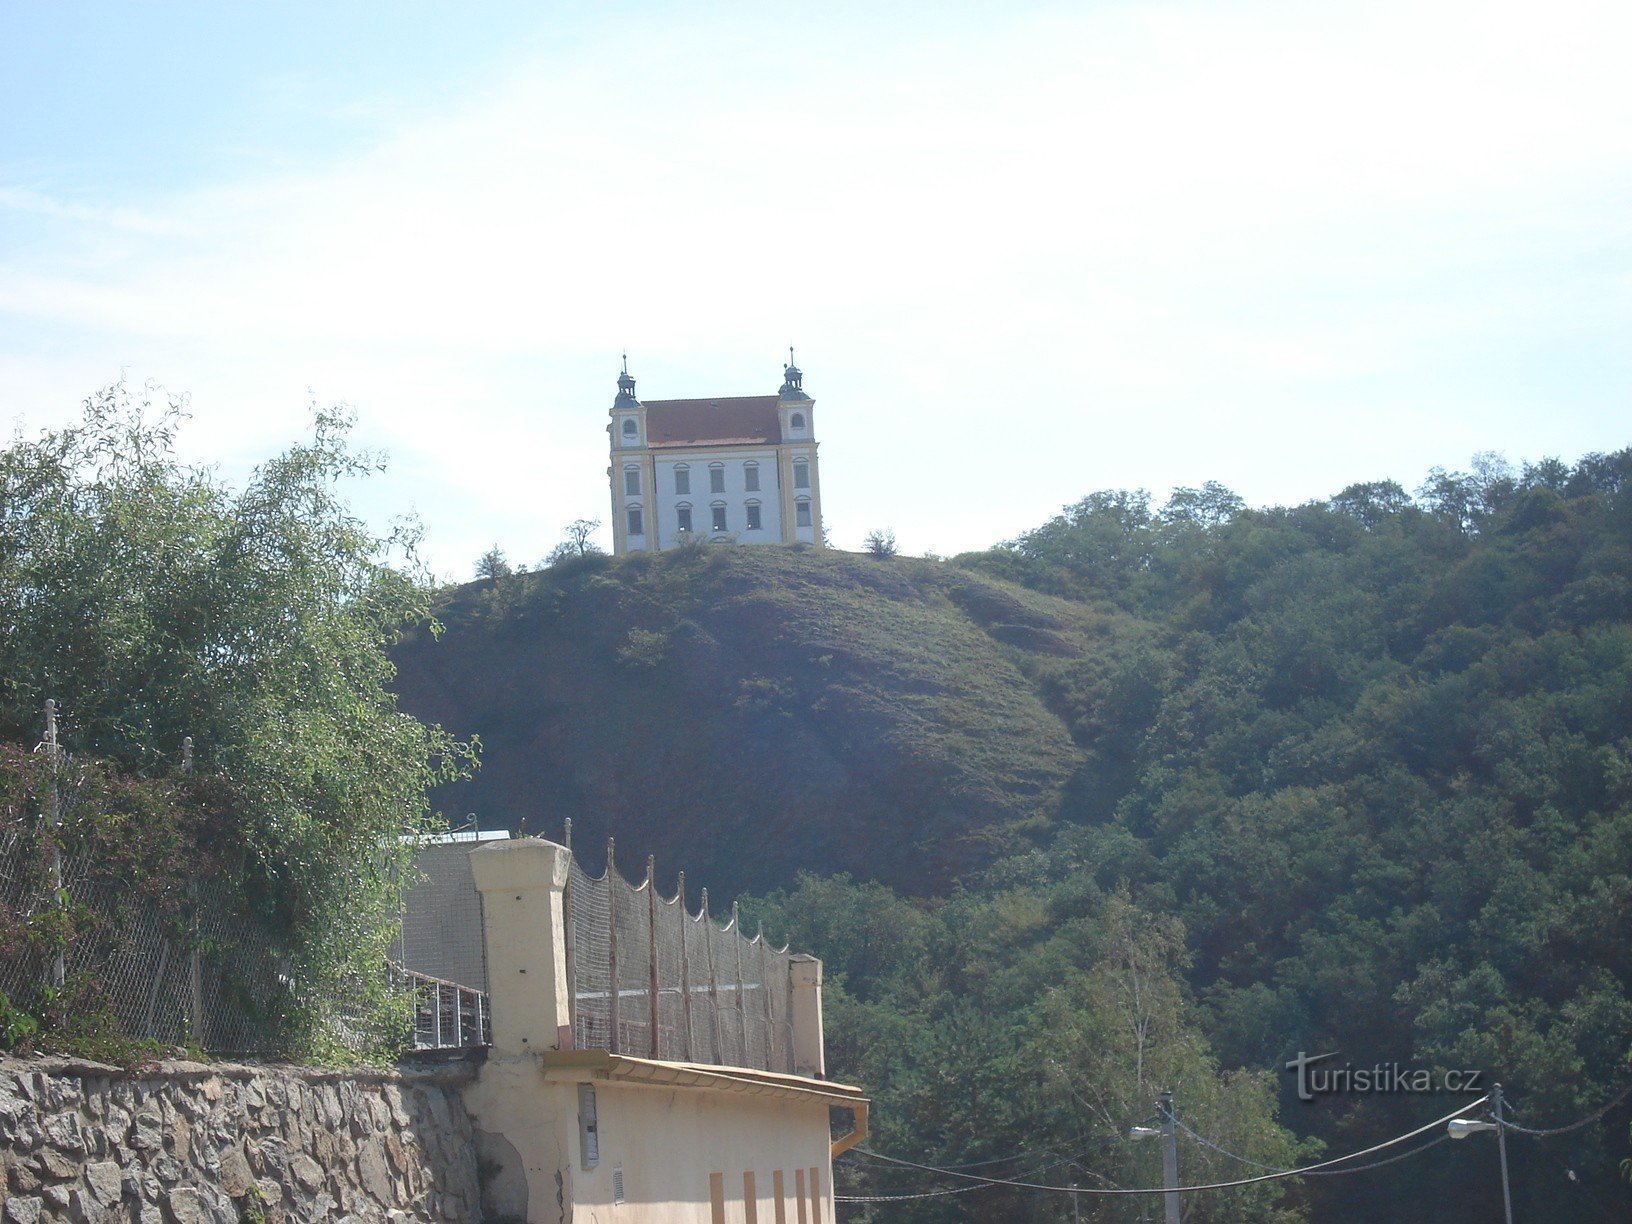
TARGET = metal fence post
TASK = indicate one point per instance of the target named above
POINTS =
(569, 925)
(765, 989)
(195, 967)
(53, 816)
(651, 942)
(613, 879)
(742, 1006)
(716, 1032)
(685, 967)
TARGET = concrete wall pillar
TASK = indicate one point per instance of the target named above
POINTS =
(524, 930)
(809, 1055)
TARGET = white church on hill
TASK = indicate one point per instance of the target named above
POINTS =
(741, 467)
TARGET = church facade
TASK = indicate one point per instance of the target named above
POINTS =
(737, 468)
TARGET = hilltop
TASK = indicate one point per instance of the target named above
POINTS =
(749, 713)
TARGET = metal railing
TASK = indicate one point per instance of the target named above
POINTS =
(447, 1016)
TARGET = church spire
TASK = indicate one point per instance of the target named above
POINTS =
(626, 388)
(793, 380)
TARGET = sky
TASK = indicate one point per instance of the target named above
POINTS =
(1026, 251)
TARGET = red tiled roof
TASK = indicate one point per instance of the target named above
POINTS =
(740, 420)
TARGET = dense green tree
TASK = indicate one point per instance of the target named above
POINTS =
(154, 604)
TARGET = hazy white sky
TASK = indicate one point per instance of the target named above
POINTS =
(1026, 251)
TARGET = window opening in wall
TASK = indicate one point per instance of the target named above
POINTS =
(628, 427)
(683, 515)
(753, 516)
(634, 521)
(801, 474)
(716, 478)
(801, 514)
(797, 420)
(682, 479)
(750, 1200)
(631, 481)
(719, 517)
(750, 477)
(589, 1131)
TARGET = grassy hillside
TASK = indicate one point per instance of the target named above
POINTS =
(749, 713)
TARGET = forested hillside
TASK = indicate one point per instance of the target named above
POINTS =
(747, 713)
(1149, 797)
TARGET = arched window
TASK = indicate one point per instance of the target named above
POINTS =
(682, 514)
(631, 481)
(801, 512)
(716, 478)
(682, 478)
(753, 516)
(750, 476)
(801, 474)
(634, 521)
(797, 420)
(629, 428)
(718, 509)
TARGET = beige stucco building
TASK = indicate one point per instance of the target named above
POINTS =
(737, 467)
(589, 1136)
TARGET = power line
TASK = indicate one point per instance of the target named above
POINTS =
(1050, 1150)
(1205, 1142)
(983, 1184)
(1226, 1185)
(1573, 1126)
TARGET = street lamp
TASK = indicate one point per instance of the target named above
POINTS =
(1170, 1155)
(1461, 1128)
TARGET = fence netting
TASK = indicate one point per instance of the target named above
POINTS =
(191, 972)
(653, 979)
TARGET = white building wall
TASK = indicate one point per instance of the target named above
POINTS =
(666, 502)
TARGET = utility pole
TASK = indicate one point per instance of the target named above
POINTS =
(1170, 1161)
(1501, 1146)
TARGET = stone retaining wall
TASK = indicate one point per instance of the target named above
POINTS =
(181, 1142)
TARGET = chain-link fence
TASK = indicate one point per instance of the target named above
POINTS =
(652, 979)
(192, 972)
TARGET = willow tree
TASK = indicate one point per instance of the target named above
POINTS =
(155, 603)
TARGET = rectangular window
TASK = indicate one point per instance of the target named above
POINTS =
(815, 1197)
(634, 520)
(719, 518)
(753, 516)
(631, 482)
(684, 515)
(750, 1200)
(716, 480)
(801, 474)
(682, 480)
(801, 514)
(799, 1194)
(779, 1196)
(589, 1135)
(750, 477)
